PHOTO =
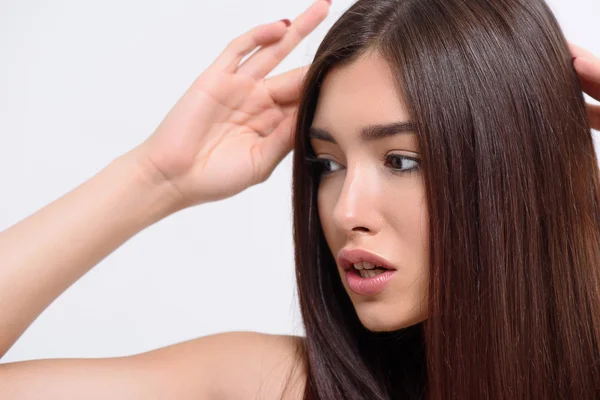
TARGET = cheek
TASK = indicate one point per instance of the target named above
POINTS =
(326, 200)
(407, 218)
(410, 218)
(405, 207)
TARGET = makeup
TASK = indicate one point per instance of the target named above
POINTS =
(368, 286)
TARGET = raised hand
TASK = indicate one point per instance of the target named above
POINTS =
(232, 127)
(587, 66)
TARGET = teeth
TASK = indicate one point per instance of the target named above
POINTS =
(369, 273)
(364, 265)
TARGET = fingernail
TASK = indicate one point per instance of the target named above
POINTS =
(287, 22)
(329, 1)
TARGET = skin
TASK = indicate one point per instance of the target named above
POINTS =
(587, 66)
(367, 198)
(230, 110)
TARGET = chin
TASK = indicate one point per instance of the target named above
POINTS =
(377, 318)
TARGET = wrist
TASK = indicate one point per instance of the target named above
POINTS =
(157, 193)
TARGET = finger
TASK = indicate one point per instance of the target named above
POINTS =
(589, 76)
(267, 58)
(290, 110)
(578, 51)
(243, 45)
(276, 146)
(594, 115)
(285, 88)
(269, 120)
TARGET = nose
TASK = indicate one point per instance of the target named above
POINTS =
(356, 210)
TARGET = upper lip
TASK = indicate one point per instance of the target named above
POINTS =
(346, 257)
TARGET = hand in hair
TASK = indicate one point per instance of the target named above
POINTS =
(232, 126)
(587, 66)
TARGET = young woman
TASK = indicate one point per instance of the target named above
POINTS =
(446, 214)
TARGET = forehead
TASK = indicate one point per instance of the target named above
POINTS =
(358, 94)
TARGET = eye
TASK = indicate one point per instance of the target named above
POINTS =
(401, 164)
(322, 166)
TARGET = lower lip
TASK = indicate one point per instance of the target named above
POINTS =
(367, 286)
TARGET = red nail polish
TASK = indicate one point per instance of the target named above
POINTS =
(329, 1)
(287, 22)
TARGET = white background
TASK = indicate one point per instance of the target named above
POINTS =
(82, 82)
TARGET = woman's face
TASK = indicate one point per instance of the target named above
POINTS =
(371, 197)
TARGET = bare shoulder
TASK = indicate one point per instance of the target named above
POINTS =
(232, 365)
(238, 365)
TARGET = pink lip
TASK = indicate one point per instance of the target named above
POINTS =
(346, 257)
(367, 286)
(356, 283)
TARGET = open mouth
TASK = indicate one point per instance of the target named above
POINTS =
(368, 270)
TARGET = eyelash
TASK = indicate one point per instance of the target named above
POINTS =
(320, 164)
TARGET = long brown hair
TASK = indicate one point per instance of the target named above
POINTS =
(513, 196)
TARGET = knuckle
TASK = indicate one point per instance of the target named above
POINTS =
(241, 44)
(235, 44)
(257, 157)
(295, 32)
(284, 48)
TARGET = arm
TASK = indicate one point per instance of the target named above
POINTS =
(232, 365)
(69, 237)
(41, 256)
(228, 132)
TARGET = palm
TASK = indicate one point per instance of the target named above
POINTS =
(232, 126)
(244, 114)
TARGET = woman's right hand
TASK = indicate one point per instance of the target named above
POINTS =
(232, 127)
(587, 66)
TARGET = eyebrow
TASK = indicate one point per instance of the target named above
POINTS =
(367, 133)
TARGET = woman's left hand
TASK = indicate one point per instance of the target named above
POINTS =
(587, 66)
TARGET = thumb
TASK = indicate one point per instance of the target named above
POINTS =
(276, 146)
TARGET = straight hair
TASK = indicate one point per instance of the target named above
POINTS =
(513, 198)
